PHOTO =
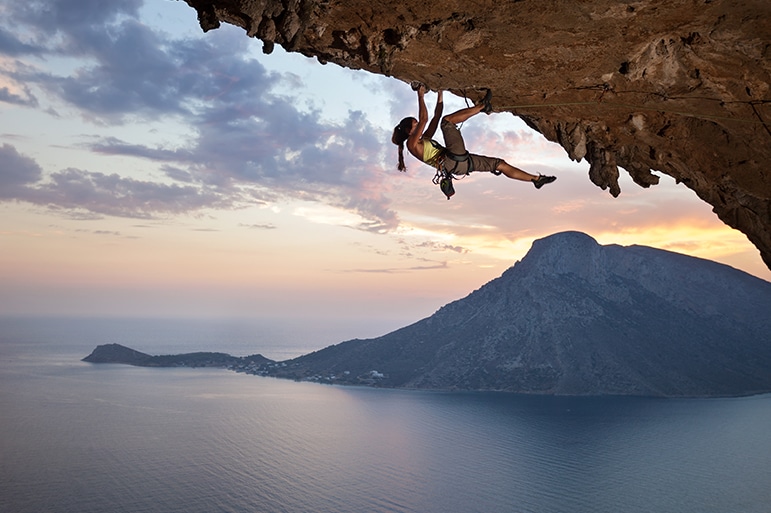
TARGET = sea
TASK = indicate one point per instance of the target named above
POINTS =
(78, 437)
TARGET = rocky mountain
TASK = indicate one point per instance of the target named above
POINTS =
(575, 317)
(682, 87)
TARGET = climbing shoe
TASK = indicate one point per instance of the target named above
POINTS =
(487, 102)
(543, 180)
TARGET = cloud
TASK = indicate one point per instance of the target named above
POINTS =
(135, 71)
(83, 194)
(436, 246)
(117, 196)
(258, 226)
(396, 270)
(16, 172)
(125, 68)
(13, 46)
(26, 99)
(11, 91)
(62, 27)
(264, 140)
(248, 137)
(112, 233)
(293, 154)
(70, 16)
(114, 146)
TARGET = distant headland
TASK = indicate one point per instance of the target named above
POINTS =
(116, 353)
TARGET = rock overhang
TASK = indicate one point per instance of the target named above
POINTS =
(681, 87)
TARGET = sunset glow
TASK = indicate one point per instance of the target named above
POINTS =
(231, 183)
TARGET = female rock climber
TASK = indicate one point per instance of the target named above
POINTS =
(453, 158)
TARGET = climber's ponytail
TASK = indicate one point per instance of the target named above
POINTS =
(400, 135)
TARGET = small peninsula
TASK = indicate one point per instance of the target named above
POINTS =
(116, 353)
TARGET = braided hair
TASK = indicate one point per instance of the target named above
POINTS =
(400, 135)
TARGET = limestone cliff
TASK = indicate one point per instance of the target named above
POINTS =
(676, 86)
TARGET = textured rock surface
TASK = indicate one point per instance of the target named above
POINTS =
(574, 317)
(676, 86)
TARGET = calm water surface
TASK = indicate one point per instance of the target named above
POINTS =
(76, 437)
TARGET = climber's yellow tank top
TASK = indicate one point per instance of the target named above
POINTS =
(432, 150)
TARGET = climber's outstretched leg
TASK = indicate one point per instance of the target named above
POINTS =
(518, 174)
(514, 173)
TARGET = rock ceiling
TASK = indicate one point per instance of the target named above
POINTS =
(675, 86)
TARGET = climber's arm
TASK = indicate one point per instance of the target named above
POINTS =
(434, 124)
(417, 133)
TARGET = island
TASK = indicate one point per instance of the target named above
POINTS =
(573, 317)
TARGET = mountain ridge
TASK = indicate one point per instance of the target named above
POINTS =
(587, 320)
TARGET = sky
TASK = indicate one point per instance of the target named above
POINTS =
(149, 169)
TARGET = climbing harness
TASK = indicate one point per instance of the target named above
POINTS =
(444, 176)
(458, 158)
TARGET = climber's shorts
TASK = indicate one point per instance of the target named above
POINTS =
(453, 141)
